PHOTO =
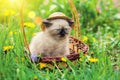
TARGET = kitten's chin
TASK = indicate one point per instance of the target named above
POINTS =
(58, 37)
(62, 36)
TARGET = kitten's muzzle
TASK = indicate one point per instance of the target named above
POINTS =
(63, 32)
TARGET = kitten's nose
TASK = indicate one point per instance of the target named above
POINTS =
(62, 32)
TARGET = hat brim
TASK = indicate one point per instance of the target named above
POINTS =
(59, 17)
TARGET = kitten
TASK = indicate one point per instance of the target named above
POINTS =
(53, 41)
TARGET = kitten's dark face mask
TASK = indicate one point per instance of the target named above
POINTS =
(63, 32)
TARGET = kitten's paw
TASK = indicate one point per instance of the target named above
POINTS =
(34, 57)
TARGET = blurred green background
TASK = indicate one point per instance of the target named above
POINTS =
(100, 28)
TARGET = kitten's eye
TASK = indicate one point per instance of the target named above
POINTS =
(65, 29)
(58, 29)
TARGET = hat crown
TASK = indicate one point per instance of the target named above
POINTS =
(57, 14)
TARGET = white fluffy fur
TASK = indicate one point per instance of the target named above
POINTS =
(48, 45)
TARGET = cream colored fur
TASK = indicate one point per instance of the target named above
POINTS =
(48, 44)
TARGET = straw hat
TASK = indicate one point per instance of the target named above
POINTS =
(58, 15)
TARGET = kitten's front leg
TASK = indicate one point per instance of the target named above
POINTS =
(33, 57)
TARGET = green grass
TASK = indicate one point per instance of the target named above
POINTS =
(102, 31)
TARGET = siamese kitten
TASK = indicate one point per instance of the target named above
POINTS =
(53, 41)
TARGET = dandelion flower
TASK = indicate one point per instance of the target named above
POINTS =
(7, 48)
(12, 12)
(11, 33)
(85, 39)
(93, 60)
(6, 13)
(63, 59)
(29, 24)
(9, 13)
(31, 14)
(42, 65)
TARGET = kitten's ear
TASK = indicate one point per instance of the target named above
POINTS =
(71, 23)
(47, 23)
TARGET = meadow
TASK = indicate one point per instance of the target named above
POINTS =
(99, 28)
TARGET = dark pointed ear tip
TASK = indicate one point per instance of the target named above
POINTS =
(71, 21)
(45, 21)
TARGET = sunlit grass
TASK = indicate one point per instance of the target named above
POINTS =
(101, 63)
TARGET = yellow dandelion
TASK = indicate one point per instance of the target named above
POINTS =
(85, 39)
(31, 14)
(63, 59)
(12, 12)
(7, 48)
(29, 24)
(42, 65)
(93, 60)
(6, 13)
(9, 13)
(35, 77)
(11, 33)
